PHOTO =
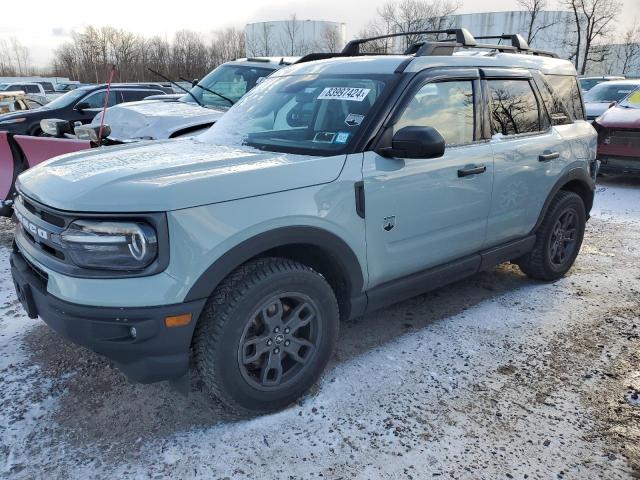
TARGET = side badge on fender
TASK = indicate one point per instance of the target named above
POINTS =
(389, 222)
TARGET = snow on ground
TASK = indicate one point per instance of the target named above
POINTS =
(493, 377)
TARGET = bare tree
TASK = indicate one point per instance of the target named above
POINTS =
(290, 42)
(629, 52)
(402, 16)
(593, 22)
(261, 44)
(18, 56)
(376, 28)
(330, 39)
(535, 9)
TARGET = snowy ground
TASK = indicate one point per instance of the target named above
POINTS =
(494, 377)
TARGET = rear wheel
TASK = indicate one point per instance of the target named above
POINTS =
(266, 334)
(558, 239)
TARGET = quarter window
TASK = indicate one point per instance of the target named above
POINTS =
(566, 88)
(446, 106)
(513, 107)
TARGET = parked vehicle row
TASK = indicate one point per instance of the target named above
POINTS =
(604, 95)
(338, 185)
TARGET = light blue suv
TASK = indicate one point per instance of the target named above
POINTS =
(338, 185)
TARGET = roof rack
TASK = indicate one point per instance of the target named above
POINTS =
(463, 39)
(462, 36)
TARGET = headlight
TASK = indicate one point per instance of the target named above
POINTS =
(110, 245)
(15, 120)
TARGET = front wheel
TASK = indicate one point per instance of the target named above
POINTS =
(266, 335)
(558, 239)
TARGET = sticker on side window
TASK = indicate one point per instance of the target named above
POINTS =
(344, 93)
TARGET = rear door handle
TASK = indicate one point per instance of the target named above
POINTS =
(545, 157)
(475, 170)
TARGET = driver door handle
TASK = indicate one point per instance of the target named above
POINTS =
(475, 170)
(545, 157)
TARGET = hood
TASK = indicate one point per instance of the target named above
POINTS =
(595, 109)
(620, 117)
(155, 119)
(169, 175)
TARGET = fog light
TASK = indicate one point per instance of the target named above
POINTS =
(133, 332)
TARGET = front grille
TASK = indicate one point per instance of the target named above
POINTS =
(40, 212)
(625, 138)
(40, 228)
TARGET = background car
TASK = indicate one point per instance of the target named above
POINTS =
(79, 105)
(17, 101)
(191, 112)
(599, 98)
(587, 83)
(619, 136)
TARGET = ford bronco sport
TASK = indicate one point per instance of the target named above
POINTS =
(338, 185)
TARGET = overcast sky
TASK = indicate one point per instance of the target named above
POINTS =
(51, 26)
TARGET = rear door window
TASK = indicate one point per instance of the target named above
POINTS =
(513, 107)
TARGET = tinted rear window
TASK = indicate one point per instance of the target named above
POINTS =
(567, 90)
(513, 107)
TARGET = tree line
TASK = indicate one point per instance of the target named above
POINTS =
(90, 53)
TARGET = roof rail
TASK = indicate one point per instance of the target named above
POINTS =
(463, 37)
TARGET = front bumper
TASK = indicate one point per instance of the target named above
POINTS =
(619, 164)
(156, 353)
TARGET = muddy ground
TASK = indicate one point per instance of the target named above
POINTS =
(497, 376)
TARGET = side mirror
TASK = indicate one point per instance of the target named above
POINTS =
(612, 104)
(415, 142)
(55, 127)
(194, 82)
(92, 133)
(82, 106)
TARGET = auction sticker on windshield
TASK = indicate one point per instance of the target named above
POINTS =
(344, 93)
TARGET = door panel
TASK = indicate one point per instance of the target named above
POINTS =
(528, 155)
(522, 182)
(420, 214)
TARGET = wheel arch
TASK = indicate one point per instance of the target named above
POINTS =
(320, 249)
(576, 180)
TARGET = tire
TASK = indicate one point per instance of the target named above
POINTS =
(556, 247)
(266, 334)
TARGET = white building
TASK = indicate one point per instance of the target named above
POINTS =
(293, 37)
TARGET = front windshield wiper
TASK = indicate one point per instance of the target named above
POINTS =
(210, 91)
(177, 85)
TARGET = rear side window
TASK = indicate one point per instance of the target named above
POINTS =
(567, 90)
(513, 107)
(447, 107)
(135, 95)
(31, 89)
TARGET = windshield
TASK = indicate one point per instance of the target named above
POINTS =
(311, 114)
(632, 101)
(66, 99)
(231, 81)
(608, 92)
